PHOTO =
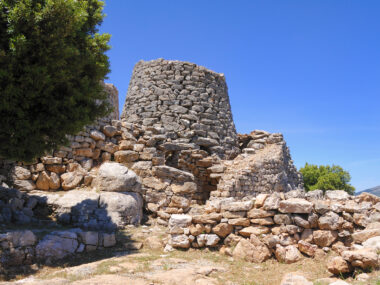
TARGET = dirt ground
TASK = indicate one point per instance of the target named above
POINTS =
(139, 259)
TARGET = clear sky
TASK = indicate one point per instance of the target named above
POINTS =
(307, 69)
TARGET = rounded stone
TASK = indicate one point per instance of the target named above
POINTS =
(115, 177)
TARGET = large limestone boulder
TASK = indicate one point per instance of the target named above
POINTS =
(93, 210)
(123, 208)
(115, 177)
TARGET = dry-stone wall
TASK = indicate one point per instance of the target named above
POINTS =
(25, 247)
(264, 166)
(285, 225)
(189, 101)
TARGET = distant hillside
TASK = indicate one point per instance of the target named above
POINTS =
(374, 191)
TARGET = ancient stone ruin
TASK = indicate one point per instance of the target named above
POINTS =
(175, 152)
(188, 101)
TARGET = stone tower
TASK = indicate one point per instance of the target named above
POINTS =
(189, 101)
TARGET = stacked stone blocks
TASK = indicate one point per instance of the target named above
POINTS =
(189, 101)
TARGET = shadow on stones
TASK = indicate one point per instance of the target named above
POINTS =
(19, 212)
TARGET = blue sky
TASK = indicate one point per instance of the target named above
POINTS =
(307, 69)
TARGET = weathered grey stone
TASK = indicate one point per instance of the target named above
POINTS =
(96, 135)
(89, 238)
(322, 206)
(180, 220)
(109, 240)
(373, 242)
(21, 238)
(314, 195)
(172, 173)
(109, 131)
(122, 207)
(24, 185)
(288, 254)
(256, 230)
(282, 219)
(211, 218)
(180, 241)
(272, 202)
(124, 156)
(210, 240)
(21, 173)
(339, 195)
(362, 236)
(56, 245)
(179, 202)
(294, 279)
(51, 160)
(364, 258)
(295, 205)
(324, 238)
(185, 188)
(329, 221)
(259, 213)
(70, 180)
(236, 206)
(115, 177)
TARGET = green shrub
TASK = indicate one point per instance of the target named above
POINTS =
(52, 61)
(325, 177)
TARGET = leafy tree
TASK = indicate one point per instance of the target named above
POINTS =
(325, 177)
(52, 62)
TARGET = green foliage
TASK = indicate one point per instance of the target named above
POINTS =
(325, 177)
(52, 62)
